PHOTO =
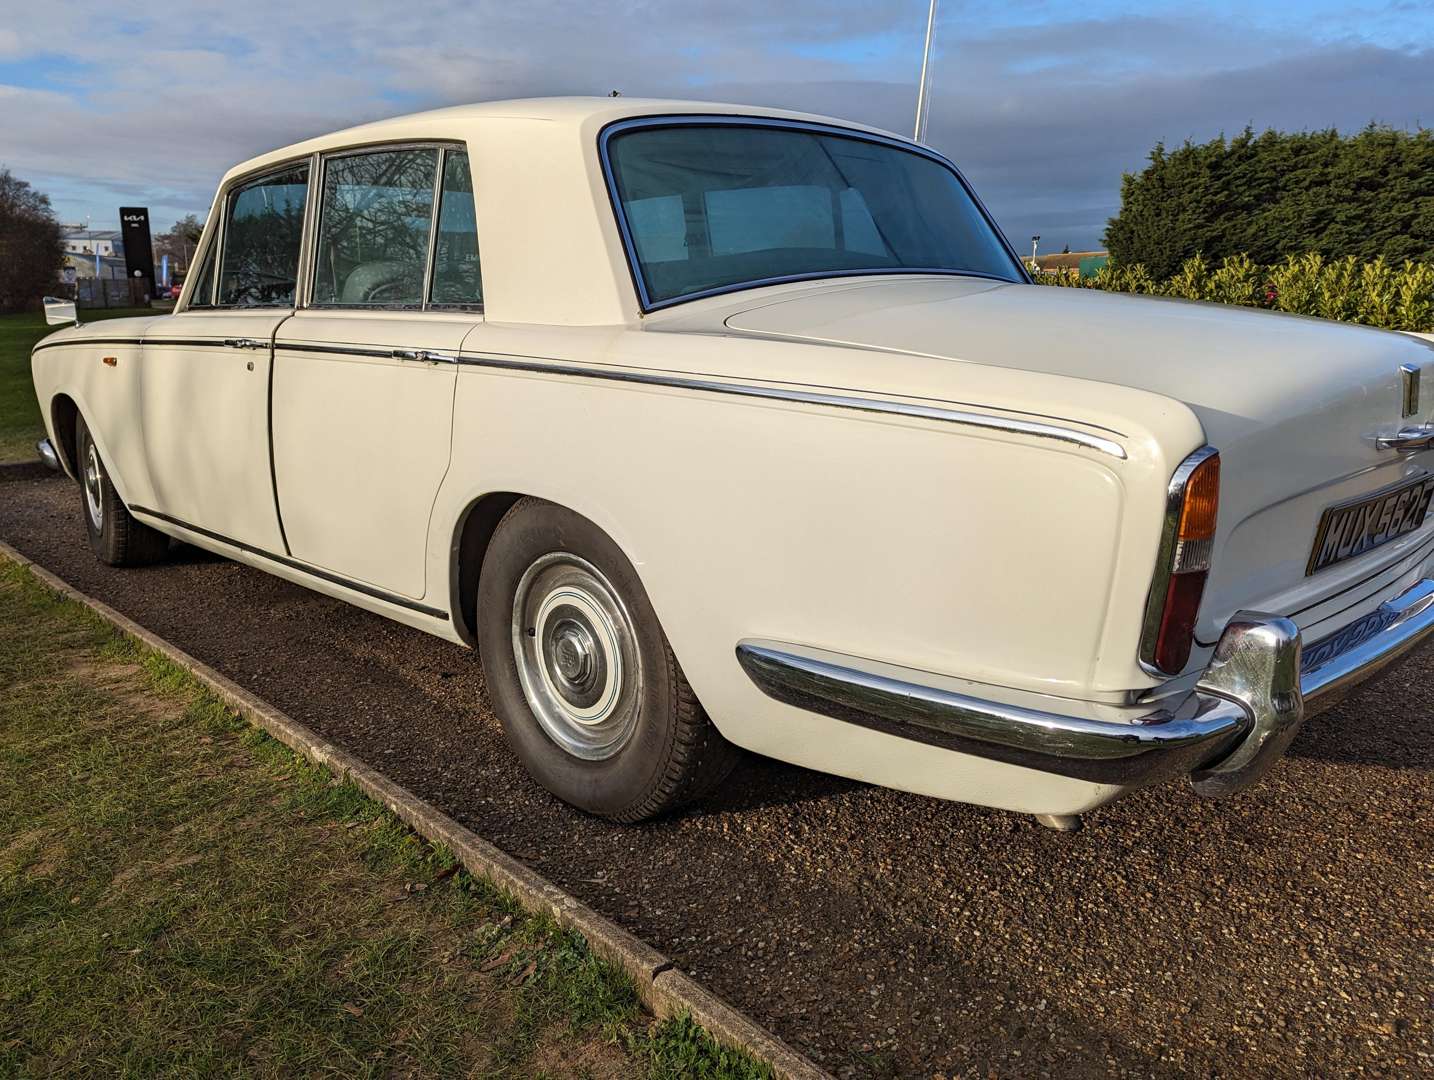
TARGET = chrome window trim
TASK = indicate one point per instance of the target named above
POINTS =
(307, 245)
(1165, 560)
(644, 298)
(426, 296)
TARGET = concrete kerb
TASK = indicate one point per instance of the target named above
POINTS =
(664, 990)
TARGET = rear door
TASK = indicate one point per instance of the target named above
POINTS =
(205, 371)
(364, 373)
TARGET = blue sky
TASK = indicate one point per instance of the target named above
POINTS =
(1044, 105)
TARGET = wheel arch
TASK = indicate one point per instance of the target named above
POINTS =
(473, 532)
(64, 417)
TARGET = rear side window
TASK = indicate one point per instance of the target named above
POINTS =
(375, 221)
(263, 227)
(456, 280)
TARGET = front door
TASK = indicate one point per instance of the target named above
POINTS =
(364, 376)
(205, 371)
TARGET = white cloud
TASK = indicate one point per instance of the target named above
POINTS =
(1042, 112)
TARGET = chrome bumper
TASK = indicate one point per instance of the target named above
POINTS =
(1224, 735)
(48, 457)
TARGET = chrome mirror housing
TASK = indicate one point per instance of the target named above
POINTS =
(59, 312)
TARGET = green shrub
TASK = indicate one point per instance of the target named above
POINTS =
(1373, 292)
(1273, 194)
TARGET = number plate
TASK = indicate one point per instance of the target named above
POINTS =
(1353, 528)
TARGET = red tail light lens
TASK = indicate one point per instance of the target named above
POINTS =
(1194, 508)
(1177, 621)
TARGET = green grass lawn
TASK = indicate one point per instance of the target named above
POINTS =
(20, 423)
(182, 895)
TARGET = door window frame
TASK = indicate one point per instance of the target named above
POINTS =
(317, 162)
(215, 242)
(313, 225)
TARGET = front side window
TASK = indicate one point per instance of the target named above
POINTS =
(203, 293)
(374, 224)
(715, 206)
(263, 227)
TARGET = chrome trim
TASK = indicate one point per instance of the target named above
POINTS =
(838, 401)
(337, 350)
(1410, 619)
(423, 356)
(1226, 733)
(1157, 745)
(1257, 666)
(433, 212)
(1165, 560)
(1409, 376)
(48, 458)
(1407, 440)
(294, 564)
(645, 302)
(309, 238)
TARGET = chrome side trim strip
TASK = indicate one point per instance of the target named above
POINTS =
(1156, 745)
(336, 350)
(201, 343)
(294, 564)
(807, 397)
(88, 341)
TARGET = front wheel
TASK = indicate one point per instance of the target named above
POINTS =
(116, 537)
(581, 675)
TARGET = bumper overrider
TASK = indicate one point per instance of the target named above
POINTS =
(1260, 685)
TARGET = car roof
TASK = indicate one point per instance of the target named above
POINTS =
(575, 112)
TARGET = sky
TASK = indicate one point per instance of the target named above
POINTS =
(1042, 105)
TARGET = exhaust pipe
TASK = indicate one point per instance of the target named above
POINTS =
(48, 457)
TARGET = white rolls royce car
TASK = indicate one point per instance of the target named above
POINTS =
(715, 427)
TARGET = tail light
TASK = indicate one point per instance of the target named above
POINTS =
(1184, 563)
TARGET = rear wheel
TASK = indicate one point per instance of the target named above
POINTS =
(116, 537)
(581, 675)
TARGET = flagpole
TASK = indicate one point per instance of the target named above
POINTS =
(923, 105)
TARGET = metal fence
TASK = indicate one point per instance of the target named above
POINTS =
(111, 292)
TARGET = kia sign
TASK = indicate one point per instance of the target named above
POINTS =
(138, 252)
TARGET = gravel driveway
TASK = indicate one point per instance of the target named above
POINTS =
(1285, 932)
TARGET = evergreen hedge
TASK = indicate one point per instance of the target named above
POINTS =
(1274, 195)
(1375, 292)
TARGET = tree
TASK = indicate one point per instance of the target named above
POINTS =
(31, 249)
(179, 242)
(1277, 194)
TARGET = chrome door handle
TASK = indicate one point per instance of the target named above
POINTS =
(1407, 440)
(244, 343)
(423, 356)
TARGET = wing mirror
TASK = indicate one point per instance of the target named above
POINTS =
(58, 311)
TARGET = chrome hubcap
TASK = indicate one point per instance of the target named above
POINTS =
(94, 504)
(577, 656)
